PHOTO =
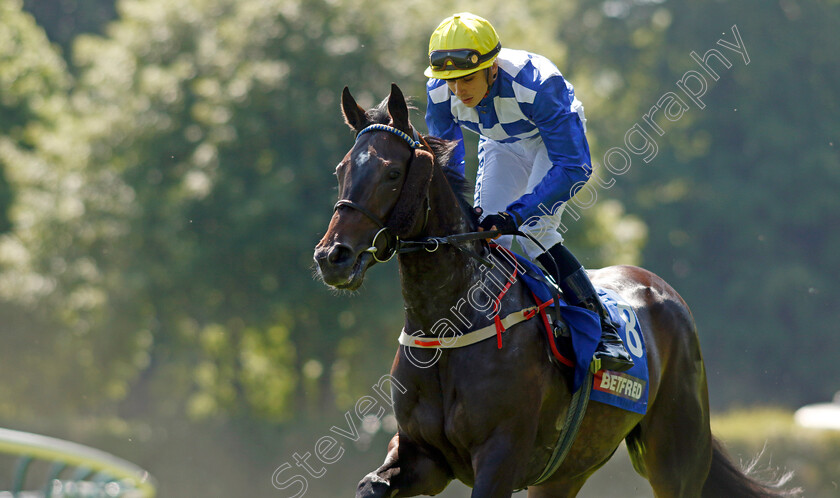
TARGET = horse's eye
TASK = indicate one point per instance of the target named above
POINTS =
(394, 174)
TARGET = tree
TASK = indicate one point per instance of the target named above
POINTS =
(196, 182)
(64, 20)
(740, 192)
(31, 74)
(33, 86)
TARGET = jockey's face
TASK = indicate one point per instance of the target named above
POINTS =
(470, 89)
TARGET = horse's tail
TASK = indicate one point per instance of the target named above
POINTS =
(727, 479)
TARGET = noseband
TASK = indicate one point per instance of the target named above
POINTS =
(392, 242)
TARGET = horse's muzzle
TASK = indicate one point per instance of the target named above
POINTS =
(342, 267)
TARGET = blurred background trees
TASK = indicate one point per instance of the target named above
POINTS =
(166, 169)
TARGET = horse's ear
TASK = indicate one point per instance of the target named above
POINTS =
(398, 109)
(354, 115)
(409, 208)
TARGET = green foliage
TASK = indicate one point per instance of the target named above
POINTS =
(64, 20)
(205, 127)
(33, 86)
(30, 73)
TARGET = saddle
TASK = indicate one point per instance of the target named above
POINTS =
(558, 345)
(571, 332)
(626, 390)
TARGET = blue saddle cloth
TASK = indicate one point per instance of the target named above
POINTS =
(627, 390)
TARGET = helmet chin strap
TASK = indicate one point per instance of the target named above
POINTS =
(490, 80)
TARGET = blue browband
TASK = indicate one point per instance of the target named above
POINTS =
(414, 143)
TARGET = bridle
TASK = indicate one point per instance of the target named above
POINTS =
(392, 243)
(414, 143)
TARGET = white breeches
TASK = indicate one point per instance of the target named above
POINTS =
(506, 172)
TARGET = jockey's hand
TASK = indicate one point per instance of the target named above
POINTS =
(506, 223)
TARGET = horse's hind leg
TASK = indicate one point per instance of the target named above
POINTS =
(408, 471)
(671, 446)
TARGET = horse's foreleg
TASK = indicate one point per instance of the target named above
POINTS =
(408, 471)
(496, 467)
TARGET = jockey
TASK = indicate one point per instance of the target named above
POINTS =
(532, 150)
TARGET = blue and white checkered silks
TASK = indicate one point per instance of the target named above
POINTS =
(532, 128)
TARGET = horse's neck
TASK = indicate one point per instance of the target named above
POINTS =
(434, 282)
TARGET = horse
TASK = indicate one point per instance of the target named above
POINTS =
(484, 415)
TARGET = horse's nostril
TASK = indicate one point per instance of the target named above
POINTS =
(339, 254)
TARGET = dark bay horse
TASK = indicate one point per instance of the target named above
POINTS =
(488, 416)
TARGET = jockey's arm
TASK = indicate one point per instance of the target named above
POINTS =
(563, 134)
(441, 124)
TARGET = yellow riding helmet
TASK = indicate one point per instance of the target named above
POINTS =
(462, 44)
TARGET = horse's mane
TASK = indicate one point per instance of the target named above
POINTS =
(443, 150)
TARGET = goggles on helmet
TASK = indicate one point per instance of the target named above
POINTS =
(464, 58)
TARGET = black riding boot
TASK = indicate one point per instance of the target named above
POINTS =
(579, 291)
